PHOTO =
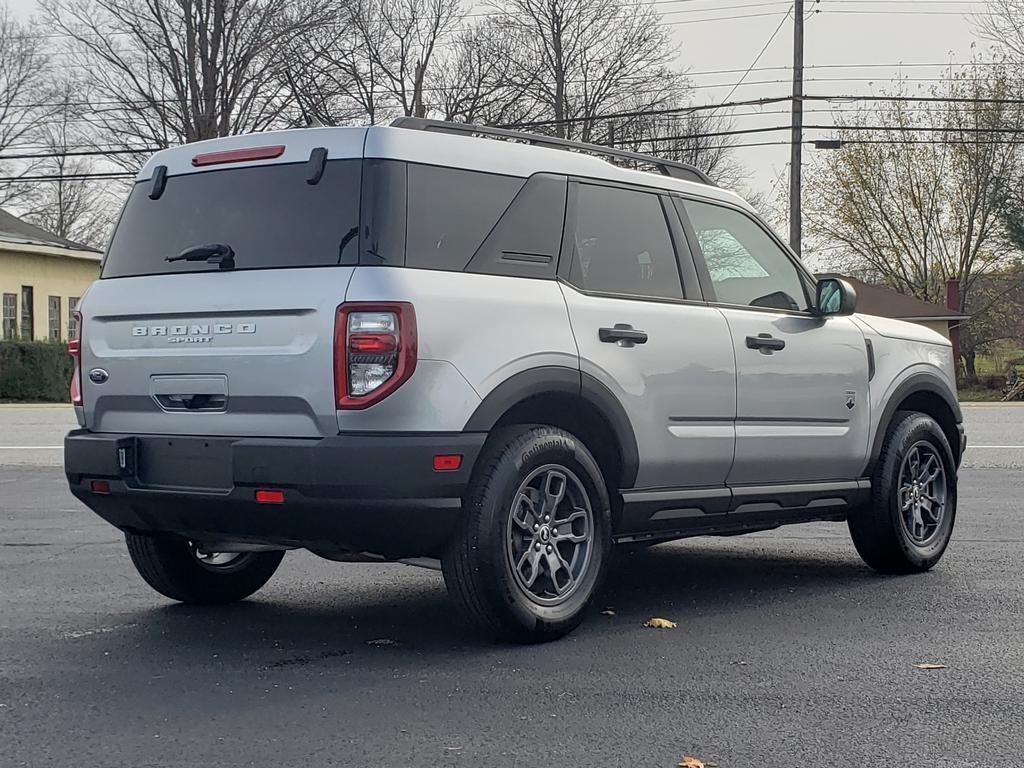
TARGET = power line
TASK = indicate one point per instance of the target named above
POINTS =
(757, 58)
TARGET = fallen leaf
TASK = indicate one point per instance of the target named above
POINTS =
(608, 612)
(929, 666)
(690, 762)
(657, 623)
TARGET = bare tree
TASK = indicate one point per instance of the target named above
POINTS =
(477, 81)
(912, 207)
(375, 61)
(174, 71)
(689, 136)
(23, 103)
(1002, 23)
(67, 203)
(594, 56)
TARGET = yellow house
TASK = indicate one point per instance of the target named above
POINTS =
(42, 277)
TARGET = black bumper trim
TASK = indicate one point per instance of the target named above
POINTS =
(376, 493)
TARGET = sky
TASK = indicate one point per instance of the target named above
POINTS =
(852, 47)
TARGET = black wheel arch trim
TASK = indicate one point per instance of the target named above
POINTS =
(920, 381)
(556, 379)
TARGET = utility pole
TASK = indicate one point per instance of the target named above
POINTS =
(796, 156)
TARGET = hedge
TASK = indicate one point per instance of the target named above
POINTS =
(34, 371)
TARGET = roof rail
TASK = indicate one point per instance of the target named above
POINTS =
(666, 167)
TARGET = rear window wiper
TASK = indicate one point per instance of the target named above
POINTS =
(212, 253)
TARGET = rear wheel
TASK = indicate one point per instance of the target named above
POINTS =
(181, 570)
(532, 547)
(909, 523)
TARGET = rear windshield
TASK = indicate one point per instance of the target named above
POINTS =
(269, 215)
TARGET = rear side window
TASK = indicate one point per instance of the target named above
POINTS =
(268, 214)
(622, 244)
(451, 211)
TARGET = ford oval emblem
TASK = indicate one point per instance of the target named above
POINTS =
(98, 376)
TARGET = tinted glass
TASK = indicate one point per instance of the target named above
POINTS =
(747, 266)
(451, 212)
(268, 214)
(622, 244)
(526, 241)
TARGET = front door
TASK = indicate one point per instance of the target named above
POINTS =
(667, 360)
(802, 407)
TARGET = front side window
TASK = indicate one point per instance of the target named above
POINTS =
(10, 315)
(748, 268)
(622, 244)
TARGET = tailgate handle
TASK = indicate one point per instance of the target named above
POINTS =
(192, 402)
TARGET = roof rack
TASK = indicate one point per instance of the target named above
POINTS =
(666, 167)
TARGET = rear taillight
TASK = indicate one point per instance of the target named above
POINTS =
(374, 351)
(75, 350)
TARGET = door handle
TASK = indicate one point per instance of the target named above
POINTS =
(766, 343)
(623, 334)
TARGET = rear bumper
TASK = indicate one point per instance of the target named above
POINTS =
(375, 493)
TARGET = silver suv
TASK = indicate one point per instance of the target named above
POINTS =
(487, 352)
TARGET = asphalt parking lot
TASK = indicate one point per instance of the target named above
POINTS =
(788, 651)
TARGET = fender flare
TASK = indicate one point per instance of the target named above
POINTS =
(920, 381)
(567, 381)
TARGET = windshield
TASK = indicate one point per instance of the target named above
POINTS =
(269, 215)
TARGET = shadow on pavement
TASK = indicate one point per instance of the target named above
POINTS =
(332, 622)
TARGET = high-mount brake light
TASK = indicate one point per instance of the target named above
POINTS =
(238, 155)
(75, 350)
(374, 351)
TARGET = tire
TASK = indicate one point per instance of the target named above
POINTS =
(889, 539)
(171, 566)
(503, 525)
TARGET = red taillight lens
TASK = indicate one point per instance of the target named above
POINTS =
(374, 351)
(75, 350)
(266, 496)
(101, 487)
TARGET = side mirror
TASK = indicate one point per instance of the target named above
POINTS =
(835, 297)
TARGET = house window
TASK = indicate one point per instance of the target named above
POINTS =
(28, 325)
(72, 325)
(53, 327)
(10, 317)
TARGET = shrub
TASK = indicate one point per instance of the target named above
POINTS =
(35, 371)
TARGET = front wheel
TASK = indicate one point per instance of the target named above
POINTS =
(909, 523)
(532, 547)
(180, 570)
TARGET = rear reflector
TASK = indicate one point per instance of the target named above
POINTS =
(237, 155)
(101, 487)
(447, 463)
(264, 496)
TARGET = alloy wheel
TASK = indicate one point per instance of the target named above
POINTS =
(922, 493)
(550, 534)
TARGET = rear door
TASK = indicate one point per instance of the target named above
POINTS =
(662, 353)
(194, 348)
(802, 410)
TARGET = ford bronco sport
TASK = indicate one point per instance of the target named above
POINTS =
(488, 352)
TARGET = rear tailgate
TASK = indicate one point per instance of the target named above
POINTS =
(247, 353)
(176, 343)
